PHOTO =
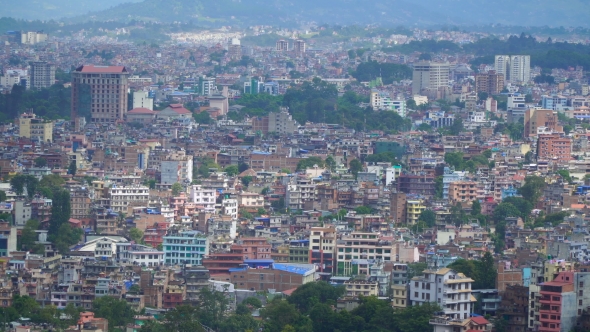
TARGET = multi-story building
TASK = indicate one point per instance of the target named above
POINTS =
(101, 92)
(416, 184)
(359, 245)
(322, 248)
(354, 288)
(554, 102)
(381, 101)
(515, 68)
(398, 207)
(234, 49)
(430, 75)
(554, 147)
(36, 129)
(185, 247)
(81, 202)
(449, 289)
(279, 277)
(536, 118)
(490, 82)
(558, 311)
(299, 46)
(514, 308)
(123, 197)
(282, 45)
(42, 74)
(414, 209)
(462, 191)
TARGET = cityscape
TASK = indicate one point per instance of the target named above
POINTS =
(161, 175)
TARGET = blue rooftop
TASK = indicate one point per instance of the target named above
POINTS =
(297, 269)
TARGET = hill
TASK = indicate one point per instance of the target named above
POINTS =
(292, 13)
(55, 9)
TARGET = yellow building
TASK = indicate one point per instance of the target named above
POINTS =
(34, 128)
(354, 288)
(414, 209)
(399, 296)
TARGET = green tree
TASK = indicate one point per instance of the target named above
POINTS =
(2, 196)
(176, 189)
(231, 170)
(212, 307)
(475, 208)
(565, 175)
(457, 127)
(428, 217)
(253, 302)
(279, 314)
(504, 210)
(438, 187)
(28, 235)
(363, 210)
(118, 312)
(307, 295)
(246, 180)
(73, 168)
(532, 188)
(40, 162)
(136, 235)
(265, 191)
(183, 318)
(310, 162)
(355, 167)
(330, 163)
(524, 206)
(202, 118)
(416, 269)
(17, 184)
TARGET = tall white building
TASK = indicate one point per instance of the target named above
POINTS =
(206, 198)
(430, 75)
(42, 74)
(515, 68)
(447, 288)
(383, 102)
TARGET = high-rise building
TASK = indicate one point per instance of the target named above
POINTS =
(282, 45)
(490, 82)
(42, 74)
(234, 49)
(299, 46)
(520, 68)
(101, 92)
(430, 75)
(515, 68)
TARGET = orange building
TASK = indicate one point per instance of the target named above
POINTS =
(462, 191)
(535, 118)
(554, 146)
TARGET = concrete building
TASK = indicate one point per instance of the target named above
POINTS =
(279, 276)
(42, 74)
(185, 247)
(413, 211)
(32, 37)
(490, 82)
(449, 289)
(141, 99)
(554, 147)
(299, 47)
(361, 246)
(515, 68)
(205, 198)
(282, 45)
(36, 129)
(354, 288)
(462, 191)
(123, 197)
(430, 75)
(234, 49)
(398, 207)
(322, 248)
(101, 92)
(536, 118)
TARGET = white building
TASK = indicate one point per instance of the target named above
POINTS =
(122, 197)
(204, 197)
(515, 68)
(430, 75)
(230, 207)
(449, 289)
(139, 254)
(141, 99)
(381, 101)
